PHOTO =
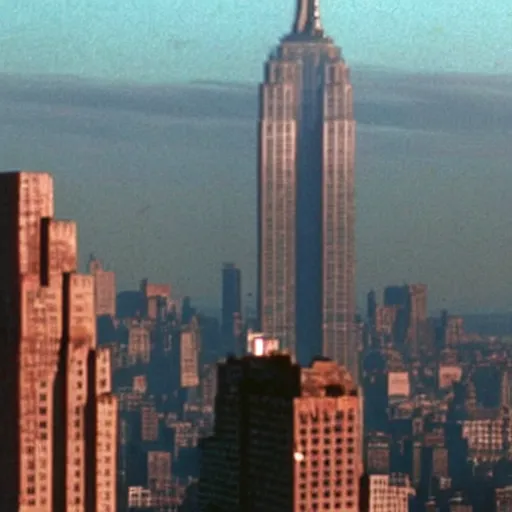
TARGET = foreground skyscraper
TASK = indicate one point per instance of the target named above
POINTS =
(286, 439)
(306, 195)
(58, 426)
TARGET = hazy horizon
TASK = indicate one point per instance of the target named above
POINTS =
(431, 179)
(145, 112)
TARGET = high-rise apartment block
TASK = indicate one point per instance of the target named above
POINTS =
(104, 288)
(285, 438)
(53, 418)
(159, 470)
(388, 493)
(139, 341)
(102, 417)
(189, 347)
(306, 195)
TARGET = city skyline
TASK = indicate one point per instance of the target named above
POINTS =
(421, 159)
(341, 369)
(428, 146)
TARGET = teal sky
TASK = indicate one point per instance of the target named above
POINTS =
(181, 40)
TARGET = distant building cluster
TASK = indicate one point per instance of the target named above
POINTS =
(437, 405)
(137, 401)
(165, 381)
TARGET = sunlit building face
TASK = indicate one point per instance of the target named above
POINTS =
(306, 195)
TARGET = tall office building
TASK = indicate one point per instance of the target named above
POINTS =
(156, 299)
(418, 333)
(71, 393)
(306, 195)
(388, 493)
(231, 305)
(188, 355)
(30, 330)
(104, 288)
(285, 439)
(410, 305)
(47, 328)
(101, 434)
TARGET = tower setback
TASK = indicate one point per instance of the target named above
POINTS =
(306, 195)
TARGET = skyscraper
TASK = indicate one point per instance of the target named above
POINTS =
(410, 304)
(306, 195)
(104, 288)
(285, 439)
(231, 304)
(54, 420)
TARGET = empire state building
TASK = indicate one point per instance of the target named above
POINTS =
(306, 195)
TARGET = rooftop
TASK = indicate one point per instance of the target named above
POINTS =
(325, 378)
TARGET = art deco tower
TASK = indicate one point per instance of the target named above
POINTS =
(306, 195)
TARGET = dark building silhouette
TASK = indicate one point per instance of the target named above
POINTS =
(130, 304)
(187, 311)
(399, 297)
(371, 308)
(231, 304)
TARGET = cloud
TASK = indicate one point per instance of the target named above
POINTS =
(433, 166)
(452, 103)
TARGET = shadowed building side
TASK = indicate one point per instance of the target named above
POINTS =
(25, 199)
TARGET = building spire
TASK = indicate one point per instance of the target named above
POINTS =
(307, 18)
